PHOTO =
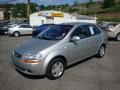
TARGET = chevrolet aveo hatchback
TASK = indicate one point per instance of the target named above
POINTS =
(58, 47)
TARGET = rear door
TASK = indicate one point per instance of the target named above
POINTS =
(95, 39)
(22, 29)
(29, 29)
(25, 29)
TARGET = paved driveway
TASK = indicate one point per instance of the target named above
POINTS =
(91, 74)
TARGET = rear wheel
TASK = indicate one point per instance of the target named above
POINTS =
(101, 52)
(118, 37)
(55, 69)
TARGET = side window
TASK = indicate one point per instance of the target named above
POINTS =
(94, 30)
(28, 26)
(82, 32)
(25, 26)
(22, 26)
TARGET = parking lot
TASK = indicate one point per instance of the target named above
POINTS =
(92, 74)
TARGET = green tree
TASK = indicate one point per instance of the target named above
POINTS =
(108, 3)
(42, 7)
(33, 7)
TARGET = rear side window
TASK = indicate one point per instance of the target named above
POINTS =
(28, 26)
(25, 26)
(94, 30)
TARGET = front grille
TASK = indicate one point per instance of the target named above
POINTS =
(17, 55)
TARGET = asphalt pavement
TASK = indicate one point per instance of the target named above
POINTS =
(91, 74)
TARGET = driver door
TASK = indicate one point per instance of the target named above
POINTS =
(79, 50)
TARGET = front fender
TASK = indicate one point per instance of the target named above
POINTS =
(50, 57)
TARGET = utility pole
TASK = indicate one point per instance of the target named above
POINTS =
(28, 10)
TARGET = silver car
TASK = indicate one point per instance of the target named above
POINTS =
(22, 29)
(114, 32)
(58, 47)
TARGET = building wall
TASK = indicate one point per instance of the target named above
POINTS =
(36, 19)
(1, 15)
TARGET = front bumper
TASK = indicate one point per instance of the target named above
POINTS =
(10, 32)
(111, 35)
(30, 69)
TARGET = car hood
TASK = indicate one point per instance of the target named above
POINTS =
(34, 45)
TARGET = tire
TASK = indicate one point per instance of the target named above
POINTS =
(118, 37)
(53, 71)
(101, 52)
(16, 34)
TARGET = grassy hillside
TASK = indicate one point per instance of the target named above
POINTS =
(110, 16)
(105, 14)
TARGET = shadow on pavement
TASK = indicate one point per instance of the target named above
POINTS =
(111, 39)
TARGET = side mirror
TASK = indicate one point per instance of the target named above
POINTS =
(75, 38)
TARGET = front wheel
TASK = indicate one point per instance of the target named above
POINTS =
(101, 52)
(55, 69)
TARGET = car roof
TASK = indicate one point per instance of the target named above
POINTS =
(77, 23)
(23, 24)
(49, 24)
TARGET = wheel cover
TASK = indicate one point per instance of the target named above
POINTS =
(118, 37)
(102, 51)
(16, 34)
(57, 69)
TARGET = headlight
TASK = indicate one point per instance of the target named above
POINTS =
(31, 58)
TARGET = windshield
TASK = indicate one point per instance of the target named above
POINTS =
(42, 28)
(57, 32)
